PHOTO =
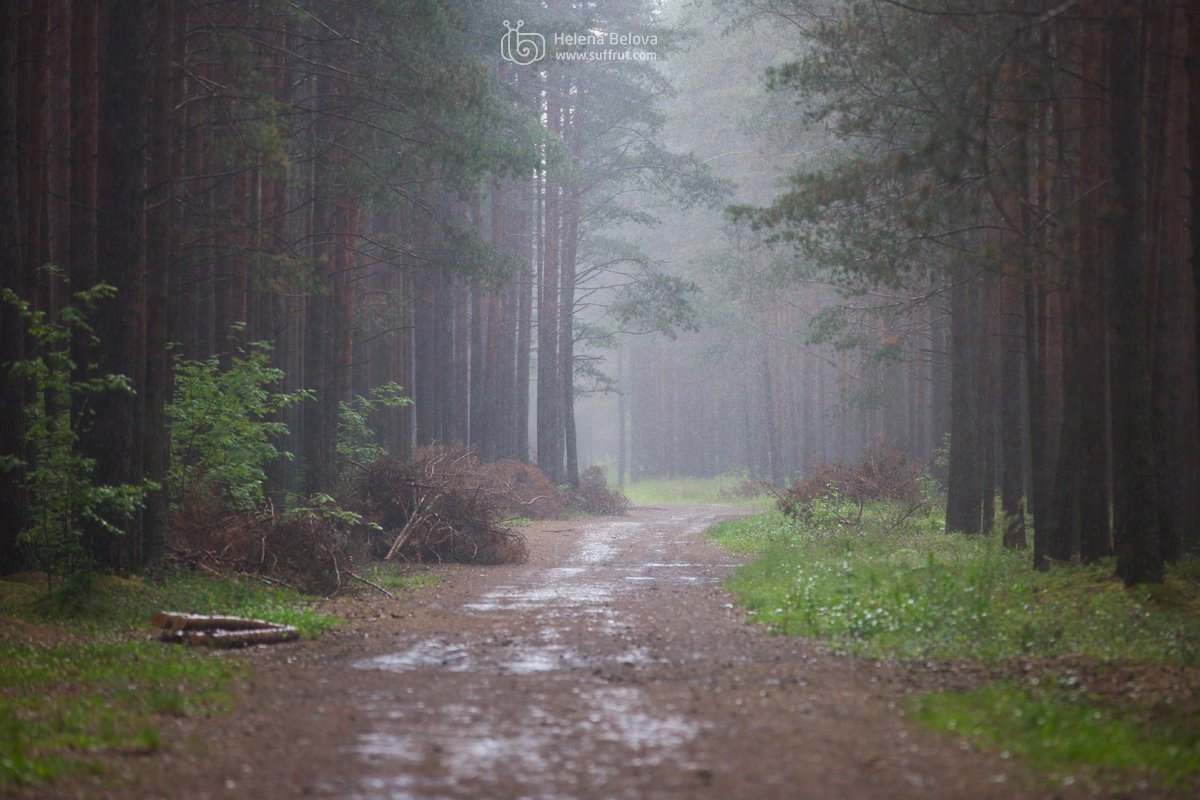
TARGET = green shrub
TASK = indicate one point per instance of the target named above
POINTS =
(55, 475)
(224, 422)
(357, 442)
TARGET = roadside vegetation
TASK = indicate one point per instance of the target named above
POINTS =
(1068, 669)
(79, 676)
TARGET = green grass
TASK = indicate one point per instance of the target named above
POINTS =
(61, 704)
(79, 675)
(402, 579)
(895, 587)
(1068, 738)
(688, 491)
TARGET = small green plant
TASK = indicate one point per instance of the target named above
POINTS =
(224, 423)
(357, 442)
(53, 471)
(324, 508)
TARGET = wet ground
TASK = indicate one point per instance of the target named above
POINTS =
(612, 665)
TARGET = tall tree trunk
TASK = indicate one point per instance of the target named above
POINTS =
(1192, 542)
(964, 489)
(566, 332)
(524, 319)
(1135, 511)
(1095, 538)
(159, 219)
(12, 336)
(116, 441)
(1012, 461)
(549, 372)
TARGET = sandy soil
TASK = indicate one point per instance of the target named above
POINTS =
(611, 665)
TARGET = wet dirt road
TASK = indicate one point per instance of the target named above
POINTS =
(611, 665)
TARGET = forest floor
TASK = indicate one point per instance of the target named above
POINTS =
(611, 665)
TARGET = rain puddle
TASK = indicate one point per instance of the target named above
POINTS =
(520, 659)
(538, 743)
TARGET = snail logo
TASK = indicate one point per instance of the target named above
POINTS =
(521, 48)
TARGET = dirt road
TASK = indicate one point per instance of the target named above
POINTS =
(611, 665)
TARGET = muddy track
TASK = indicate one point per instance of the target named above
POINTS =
(612, 665)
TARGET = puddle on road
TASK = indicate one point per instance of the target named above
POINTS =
(610, 732)
(522, 658)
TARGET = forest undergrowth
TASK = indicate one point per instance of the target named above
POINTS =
(79, 677)
(1067, 669)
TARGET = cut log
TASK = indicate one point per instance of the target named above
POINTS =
(223, 639)
(203, 630)
(177, 621)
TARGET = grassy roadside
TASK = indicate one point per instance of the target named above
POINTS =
(83, 677)
(1068, 670)
(725, 489)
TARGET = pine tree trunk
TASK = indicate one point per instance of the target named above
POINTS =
(1012, 461)
(549, 371)
(964, 483)
(12, 336)
(1192, 540)
(1095, 538)
(116, 441)
(1135, 511)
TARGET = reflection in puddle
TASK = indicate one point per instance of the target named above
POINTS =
(520, 659)
(530, 747)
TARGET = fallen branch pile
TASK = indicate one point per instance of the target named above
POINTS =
(200, 630)
(593, 495)
(302, 552)
(437, 506)
(883, 474)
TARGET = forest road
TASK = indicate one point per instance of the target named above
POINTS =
(611, 665)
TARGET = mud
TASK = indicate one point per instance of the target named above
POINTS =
(611, 665)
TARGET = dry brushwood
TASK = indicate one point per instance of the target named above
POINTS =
(593, 495)
(304, 552)
(437, 506)
(882, 475)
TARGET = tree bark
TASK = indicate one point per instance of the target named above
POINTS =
(1135, 511)
(12, 336)
(116, 440)
(964, 490)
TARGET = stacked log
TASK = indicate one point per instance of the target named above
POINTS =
(203, 630)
